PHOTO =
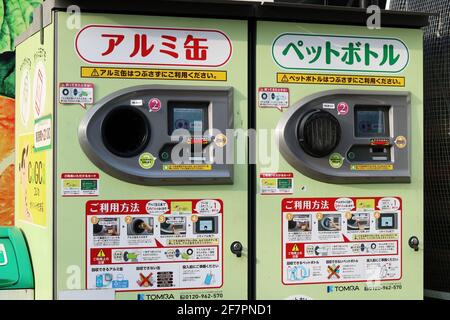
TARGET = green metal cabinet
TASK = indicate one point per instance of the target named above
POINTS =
(16, 273)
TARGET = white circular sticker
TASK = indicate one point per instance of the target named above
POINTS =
(157, 207)
(25, 96)
(344, 204)
(208, 206)
(39, 90)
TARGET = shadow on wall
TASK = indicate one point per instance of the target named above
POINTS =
(15, 17)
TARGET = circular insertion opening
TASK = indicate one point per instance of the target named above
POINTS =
(319, 133)
(139, 226)
(125, 131)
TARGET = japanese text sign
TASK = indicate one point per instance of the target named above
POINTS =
(153, 46)
(339, 53)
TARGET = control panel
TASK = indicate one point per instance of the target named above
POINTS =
(346, 136)
(161, 135)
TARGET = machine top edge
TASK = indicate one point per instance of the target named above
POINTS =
(243, 10)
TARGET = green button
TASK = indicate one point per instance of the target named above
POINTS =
(164, 155)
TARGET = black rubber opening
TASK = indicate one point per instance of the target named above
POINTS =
(137, 226)
(97, 228)
(125, 131)
(319, 133)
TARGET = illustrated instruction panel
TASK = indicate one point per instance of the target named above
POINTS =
(327, 240)
(154, 244)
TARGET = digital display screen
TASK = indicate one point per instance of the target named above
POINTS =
(206, 225)
(371, 121)
(387, 222)
(189, 116)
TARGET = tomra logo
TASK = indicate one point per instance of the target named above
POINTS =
(331, 289)
(164, 296)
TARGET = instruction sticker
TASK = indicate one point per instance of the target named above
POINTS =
(43, 133)
(330, 240)
(136, 102)
(336, 79)
(273, 98)
(80, 184)
(276, 183)
(148, 74)
(372, 167)
(76, 93)
(187, 167)
(135, 245)
(328, 106)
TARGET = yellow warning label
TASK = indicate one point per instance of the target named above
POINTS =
(372, 167)
(383, 236)
(187, 167)
(159, 74)
(334, 79)
(101, 254)
(193, 242)
(295, 248)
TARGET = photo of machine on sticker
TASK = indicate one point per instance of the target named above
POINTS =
(173, 226)
(358, 222)
(140, 226)
(300, 223)
(106, 227)
(330, 222)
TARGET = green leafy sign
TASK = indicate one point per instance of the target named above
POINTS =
(15, 17)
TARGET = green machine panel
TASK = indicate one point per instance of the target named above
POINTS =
(119, 216)
(15, 264)
(339, 190)
(140, 223)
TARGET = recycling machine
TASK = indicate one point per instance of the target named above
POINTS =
(339, 204)
(124, 184)
(134, 176)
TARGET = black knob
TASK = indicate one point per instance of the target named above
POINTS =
(414, 243)
(236, 247)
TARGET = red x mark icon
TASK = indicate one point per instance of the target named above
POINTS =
(145, 281)
(333, 271)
